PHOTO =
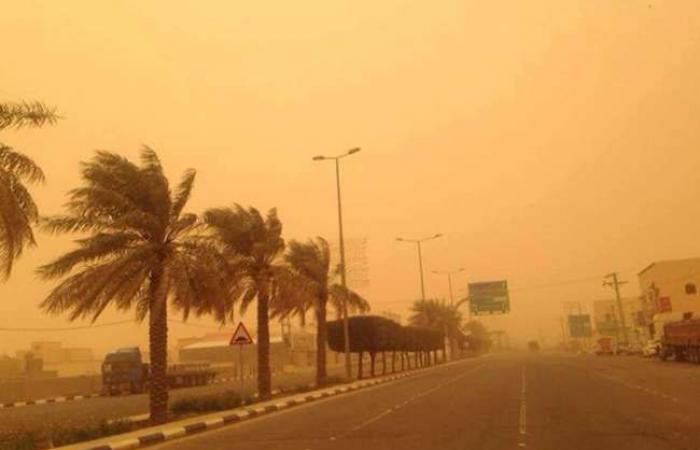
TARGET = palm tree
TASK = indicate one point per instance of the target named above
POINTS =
(312, 261)
(141, 252)
(18, 212)
(254, 248)
(438, 315)
(356, 304)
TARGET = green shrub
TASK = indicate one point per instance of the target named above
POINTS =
(207, 403)
(39, 438)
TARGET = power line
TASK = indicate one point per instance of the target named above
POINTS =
(80, 327)
(100, 325)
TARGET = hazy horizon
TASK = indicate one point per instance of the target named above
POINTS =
(550, 142)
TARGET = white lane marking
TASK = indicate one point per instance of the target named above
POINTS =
(373, 419)
(416, 397)
(522, 423)
(637, 387)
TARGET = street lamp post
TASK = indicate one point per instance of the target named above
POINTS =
(449, 274)
(420, 258)
(343, 279)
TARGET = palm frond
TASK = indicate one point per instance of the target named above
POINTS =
(355, 302)
(20, 165)
(15, 225)
(183, 192)
(73, 224)
(30, 114)
(90, 291)
(91, 250)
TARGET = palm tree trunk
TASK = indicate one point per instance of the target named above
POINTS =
(264, 374)
(321, 339)
(158, 348)
(371, 357)
(393, 362)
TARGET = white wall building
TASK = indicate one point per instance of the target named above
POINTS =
(671, 286)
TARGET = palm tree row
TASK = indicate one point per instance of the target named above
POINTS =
(139, 250)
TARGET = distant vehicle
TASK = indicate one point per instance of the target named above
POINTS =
(652, 348)
(604, 346)
(124, 372)
(628, 349)
(533, 346)
(681, 340)
(659, 321)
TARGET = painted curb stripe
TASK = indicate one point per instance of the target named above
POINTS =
(195, 427)
(151, 438)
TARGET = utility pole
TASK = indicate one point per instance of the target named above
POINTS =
(420, 258)
(615, 283)
(346, 326)
(449, 281)
(420, 268)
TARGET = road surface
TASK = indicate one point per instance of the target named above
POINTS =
(537, 401)
(93, 410)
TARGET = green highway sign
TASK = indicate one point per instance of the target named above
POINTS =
(580, 326)
(490, 297)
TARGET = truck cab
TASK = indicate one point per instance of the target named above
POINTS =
(123, 371)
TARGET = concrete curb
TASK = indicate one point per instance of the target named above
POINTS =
(170, 432)
(46, 401)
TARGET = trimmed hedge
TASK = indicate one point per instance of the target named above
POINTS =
(375, 334)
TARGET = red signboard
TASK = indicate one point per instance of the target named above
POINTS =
(664, 304)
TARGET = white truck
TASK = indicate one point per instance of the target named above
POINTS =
(659, 321)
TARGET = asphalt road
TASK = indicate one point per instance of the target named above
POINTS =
(538, 401)
(93, 410)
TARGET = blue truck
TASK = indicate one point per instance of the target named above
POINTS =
(125, 372)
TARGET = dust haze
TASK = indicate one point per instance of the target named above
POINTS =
(549, 142)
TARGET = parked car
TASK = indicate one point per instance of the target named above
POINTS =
(652, 348)
(604, 346)
(629, 349)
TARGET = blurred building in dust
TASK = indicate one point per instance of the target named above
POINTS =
(606, 319)
(670, 286)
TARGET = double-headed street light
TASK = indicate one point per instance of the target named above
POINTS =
(420, 258)
(449, 274)
(346, 327)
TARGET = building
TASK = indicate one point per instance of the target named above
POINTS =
(215, 349)
(671, 286)
(606, 319)
(50, 352)
(11, 367)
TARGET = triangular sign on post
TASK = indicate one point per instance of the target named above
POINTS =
(240, 336)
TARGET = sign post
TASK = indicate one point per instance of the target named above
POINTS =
(240, 338)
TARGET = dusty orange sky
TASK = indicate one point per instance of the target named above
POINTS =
(550, 141)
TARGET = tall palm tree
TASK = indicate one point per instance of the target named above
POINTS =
(254, 247)
(311, 260)
(18, 212)
(141, 253)
(438, 315)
